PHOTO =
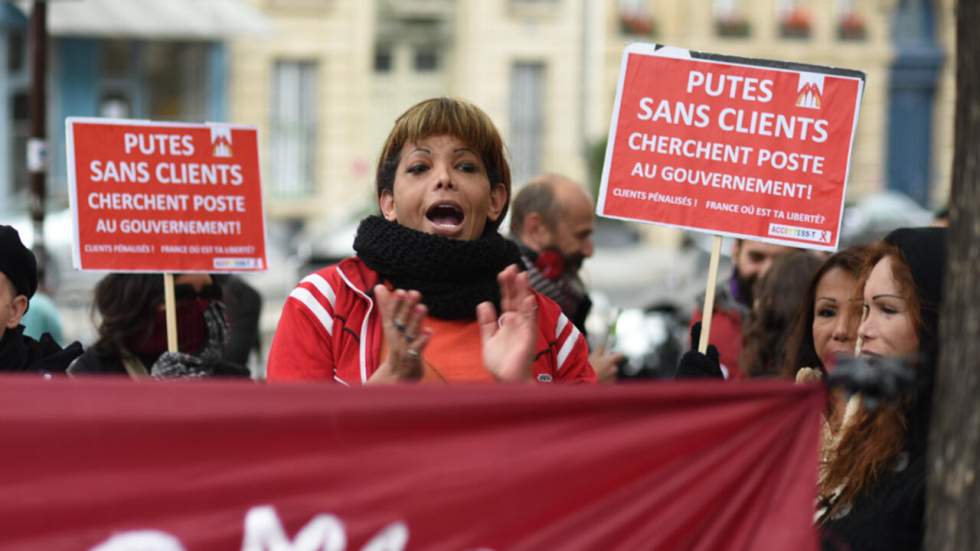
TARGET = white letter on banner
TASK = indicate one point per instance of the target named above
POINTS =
(392, 538)
(263, 532)
(142, 540)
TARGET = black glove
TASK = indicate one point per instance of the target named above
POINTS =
(695, 365)
(178, 365)
(877, 379)
(208, 362)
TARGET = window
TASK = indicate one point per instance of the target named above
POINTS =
(794, 19)
(293, 136)
(526, 119)
(16, 55)
(176, 81)
(383, 58)
(729, 19)
(426, 59)
(635, 18)
(850, 24)
(117, 58)
(156, 80)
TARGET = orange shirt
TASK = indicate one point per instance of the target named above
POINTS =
(454, 353)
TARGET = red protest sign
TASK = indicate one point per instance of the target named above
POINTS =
(165, 197)
(746, 148)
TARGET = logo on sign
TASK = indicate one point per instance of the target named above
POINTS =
(221, 141)
(805, 234)
(809, 91)
(237, 263)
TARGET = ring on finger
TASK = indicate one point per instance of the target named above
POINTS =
(399, 326)
(412, 353)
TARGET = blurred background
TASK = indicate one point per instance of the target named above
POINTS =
(323, 81)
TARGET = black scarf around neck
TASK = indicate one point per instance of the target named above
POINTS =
(452, 275)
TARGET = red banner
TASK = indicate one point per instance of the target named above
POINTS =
(165, 197)
(113, 465)
(733, 146)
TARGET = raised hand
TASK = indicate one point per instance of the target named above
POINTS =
(508, 341)
(402, 313)
(605, 364)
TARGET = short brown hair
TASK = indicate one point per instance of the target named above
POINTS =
(454, 117)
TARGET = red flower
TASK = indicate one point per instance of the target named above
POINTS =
(852, 21)
(797, 18)
(637, 24)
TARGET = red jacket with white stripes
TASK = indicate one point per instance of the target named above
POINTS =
(330, 330)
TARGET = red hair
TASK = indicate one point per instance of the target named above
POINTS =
(871, 442)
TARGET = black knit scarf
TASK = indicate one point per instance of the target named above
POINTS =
(452, 275)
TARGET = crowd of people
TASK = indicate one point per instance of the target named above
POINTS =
(435, 293)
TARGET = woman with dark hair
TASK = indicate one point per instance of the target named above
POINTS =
(420, 299)
(132, 329)
(872, 484)
(778, 295)
(826, 324)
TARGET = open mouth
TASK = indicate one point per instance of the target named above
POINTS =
(447, 215)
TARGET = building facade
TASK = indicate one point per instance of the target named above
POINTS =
(138, 59)
(326, 86)
(327, 89)
(326, 79)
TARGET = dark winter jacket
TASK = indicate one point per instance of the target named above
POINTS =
(887, 517)
(22, 354)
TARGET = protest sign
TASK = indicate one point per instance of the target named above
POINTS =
(165, 197)
(731, 146)
(109, 465)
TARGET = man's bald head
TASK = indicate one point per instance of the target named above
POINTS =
(553, 211)
(547, 195)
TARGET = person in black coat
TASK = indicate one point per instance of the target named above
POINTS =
(18, 282)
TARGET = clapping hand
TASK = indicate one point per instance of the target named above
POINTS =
(402, 313)
(508, 341)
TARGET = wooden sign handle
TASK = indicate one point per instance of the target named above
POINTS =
(170, 303)
(709, 294)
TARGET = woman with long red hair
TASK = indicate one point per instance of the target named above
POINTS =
(872, 485)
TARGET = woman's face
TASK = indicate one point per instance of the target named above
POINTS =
(441, 188)
(887, 329)
(836, 315)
